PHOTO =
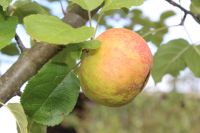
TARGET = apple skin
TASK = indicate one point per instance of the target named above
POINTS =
(115, 73)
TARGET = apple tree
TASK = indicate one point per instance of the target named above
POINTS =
(50, 65)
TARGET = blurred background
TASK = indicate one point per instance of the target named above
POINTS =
(170, 106)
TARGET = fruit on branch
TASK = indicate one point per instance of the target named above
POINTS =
(116, 72)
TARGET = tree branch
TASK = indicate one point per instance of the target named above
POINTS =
(34, 58)
(183, 19)
(25, 67)
(62, 8)
(186, 12)
(19, 43)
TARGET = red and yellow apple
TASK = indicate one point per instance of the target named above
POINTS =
(116, 72)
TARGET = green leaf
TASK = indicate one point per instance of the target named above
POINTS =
(51, 94)
(17, 110)
(117, 4)
(88, 4)
(166, 15)
(34, 127)
(69, 55)
(93, 44)
(72, 52)
(10, 50)
(169, 59)
(52, 30)
(5, 3)
(22, 9)
(192, 57)
(195, 6)
(7, 29)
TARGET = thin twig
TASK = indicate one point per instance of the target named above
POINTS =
(184, 10)
(90, 21)
(90, 18)
(62, 7)
(98, 21)
(183, 19)
(179, 6)
(19, 43)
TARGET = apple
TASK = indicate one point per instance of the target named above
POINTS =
(115, 73)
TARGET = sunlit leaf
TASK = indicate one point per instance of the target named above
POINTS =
(7, 29)
(169, 59)
(5, 3)
(52, 30)
(117, 4)
(88, 4)
(192, 57)
(93, 44)
(18, 112)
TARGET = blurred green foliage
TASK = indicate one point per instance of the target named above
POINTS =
(148, 113)
(195, 6)
(152, 31)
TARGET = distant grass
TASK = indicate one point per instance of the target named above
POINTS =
(148, 113)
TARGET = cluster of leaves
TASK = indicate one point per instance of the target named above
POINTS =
(52, 93)
(175, 56)
(195, 8)
(152, 31)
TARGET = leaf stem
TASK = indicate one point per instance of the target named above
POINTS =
(98, 20)
(90, 18)
(90, 21)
